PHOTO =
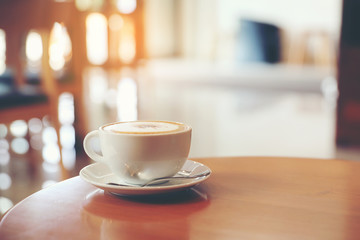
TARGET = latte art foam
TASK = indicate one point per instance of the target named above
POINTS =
(146, 127)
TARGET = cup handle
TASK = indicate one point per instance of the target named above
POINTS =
(88, 148)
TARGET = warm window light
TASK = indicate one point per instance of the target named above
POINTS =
(34, 47)
(33, 51)
(2, 52)
(60, 49)
(126, 6)
(19, 128)
(96, 38)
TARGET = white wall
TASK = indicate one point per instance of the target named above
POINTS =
(206, 29)
(159, 27)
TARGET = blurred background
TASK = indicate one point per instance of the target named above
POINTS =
(254, 77)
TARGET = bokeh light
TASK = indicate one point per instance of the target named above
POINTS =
(5, 181)
(5, 204)
(69, 158)
(36, 142)
(18, 128)
(66, 108)
(3, 130)
(33, 47)
(83, 5)
(51, 153)
(110, 99)
(4, 157)
(4, 152)
(127, 48)
(49, 135)
(96, 38)
(20, 145)
(35, 125)
(50, 168)
(4, 144)
(46, 121)
(67, 136)
(98, 85)
(116, 22)
(60, 49)
(87, 5)
(126, 6)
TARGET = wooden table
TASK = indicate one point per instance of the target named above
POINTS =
(245, 198)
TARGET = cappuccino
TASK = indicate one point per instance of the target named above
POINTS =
(146, 127)
(140, 151)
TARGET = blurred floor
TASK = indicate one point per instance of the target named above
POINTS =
(226, 121)
(243, 122)
(272, 110)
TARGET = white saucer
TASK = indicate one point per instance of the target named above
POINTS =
(98, 174)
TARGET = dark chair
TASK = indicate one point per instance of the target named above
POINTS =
(258, 42)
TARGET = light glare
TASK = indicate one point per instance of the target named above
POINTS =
(66, 108)
(126, 6)
(51, 153)
(34, 47)
(20, 145)
(96, 38)
(5, 204)
(18, 128)
(49, 135)
(60, 49)
(67, 136)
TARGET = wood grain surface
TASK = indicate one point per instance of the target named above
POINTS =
(244, 198)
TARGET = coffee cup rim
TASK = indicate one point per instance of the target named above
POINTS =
(187, 129)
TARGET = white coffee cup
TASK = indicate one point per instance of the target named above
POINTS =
(140, 151)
